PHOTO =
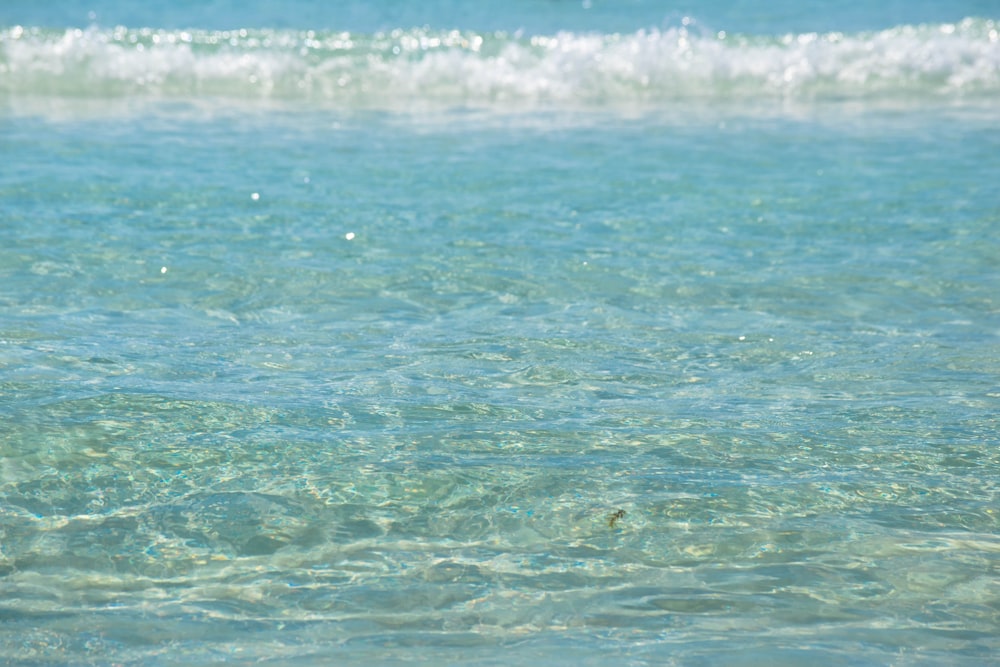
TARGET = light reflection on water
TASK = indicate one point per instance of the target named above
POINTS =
(295, 445)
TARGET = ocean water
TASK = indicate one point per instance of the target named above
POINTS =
(541, 332)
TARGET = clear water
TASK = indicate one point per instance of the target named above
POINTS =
(529, 361)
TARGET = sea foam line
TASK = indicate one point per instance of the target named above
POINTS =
(401, 67)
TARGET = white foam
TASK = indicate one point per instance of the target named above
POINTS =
(424, 67)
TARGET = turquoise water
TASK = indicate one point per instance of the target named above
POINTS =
(552, 334)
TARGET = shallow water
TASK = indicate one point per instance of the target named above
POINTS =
(294, 381)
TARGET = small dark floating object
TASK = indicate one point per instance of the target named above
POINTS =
(613, 519)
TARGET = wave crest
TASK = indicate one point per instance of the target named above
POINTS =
(446, 68)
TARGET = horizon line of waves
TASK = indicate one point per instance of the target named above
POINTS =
(454, 67)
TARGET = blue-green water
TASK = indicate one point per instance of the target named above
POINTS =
(640, 346)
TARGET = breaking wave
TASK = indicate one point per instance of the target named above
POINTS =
(423, 67)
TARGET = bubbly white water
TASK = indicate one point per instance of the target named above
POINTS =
(400, 68)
